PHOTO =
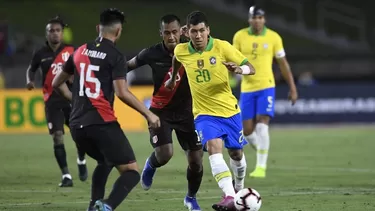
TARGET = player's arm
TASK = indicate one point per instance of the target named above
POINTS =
(58, 82)
(176, 65)
(137, 61)
(235, 61)
(123, 93)
(31, 70)
(284, 66)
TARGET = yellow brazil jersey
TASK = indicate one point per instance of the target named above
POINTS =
(260, 50)
(208, 77)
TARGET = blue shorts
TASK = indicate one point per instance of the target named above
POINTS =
(257, 103)
(227, 129)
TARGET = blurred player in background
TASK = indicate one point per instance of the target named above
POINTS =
(99, 70)
(174, 109)
(50, 59)
(260, 45)
(217, 115)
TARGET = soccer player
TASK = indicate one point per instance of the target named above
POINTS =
(173, 108)
(99, 70)
(217, 115)
(50, 59)
(260, 45)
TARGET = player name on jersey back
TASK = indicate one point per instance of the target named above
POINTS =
(94, 54)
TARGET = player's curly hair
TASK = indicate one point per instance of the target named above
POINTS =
(110, 16)
(57, 20)
(196, 17)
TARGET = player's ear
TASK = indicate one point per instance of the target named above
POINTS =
(160, 33)
(97, 28)
(208, 30)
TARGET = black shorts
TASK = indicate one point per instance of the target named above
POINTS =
(56, 117)
(184, 128)
(104, 143)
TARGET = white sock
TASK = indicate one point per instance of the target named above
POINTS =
(239, 171)
(81, 162)
(67, 176)
(222, 174)
(263, 144)
(252, 138)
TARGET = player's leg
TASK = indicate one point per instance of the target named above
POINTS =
(81, 161)
(190, 143)
(102, 170)
(118, 152)
(265, 111)
(211, 133)
(234, 142)
(55, 122)
(161, 140)
(248, 115)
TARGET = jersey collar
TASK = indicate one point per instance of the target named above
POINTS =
(209, 46)
(62, 45)
(261, 33)
(99, 40)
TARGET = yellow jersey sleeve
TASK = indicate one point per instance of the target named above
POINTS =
(178, 51)
(231, 54)
(237, 40)
(278, 50)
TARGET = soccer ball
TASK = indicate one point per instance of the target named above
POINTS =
(247, 199)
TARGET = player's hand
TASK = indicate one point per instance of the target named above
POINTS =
(293, 96)
(170, 84)
(184, 31)
(153, 120)
(233, 67)
(30, 86)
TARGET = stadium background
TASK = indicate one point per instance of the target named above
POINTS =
(330, 46)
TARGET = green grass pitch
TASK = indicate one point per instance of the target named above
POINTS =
(325, 169)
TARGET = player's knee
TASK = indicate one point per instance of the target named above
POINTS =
(164, 153)
(214, 146)
(263, 119)
(248, 127)
(195, 159)
(58, 137)
(235, 154)
(127, 167)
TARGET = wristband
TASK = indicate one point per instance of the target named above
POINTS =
(245, 70)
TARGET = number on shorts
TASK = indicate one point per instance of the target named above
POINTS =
(270, 101)
(199, 138)
(89, 79)
(240, 140)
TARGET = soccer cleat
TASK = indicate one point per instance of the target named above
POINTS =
(101, 206)
(66, 182)
(191, 203)
(226, 204)
(82, 169)
(259, 172)
(147, 176)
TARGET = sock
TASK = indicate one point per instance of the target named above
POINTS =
(60, 156)
(99, 179)
(239, 170)
(252, 138)
(221, 173)
(263, 144)
(81, 154)
(153, 161)
(122, 187)
(194, 179)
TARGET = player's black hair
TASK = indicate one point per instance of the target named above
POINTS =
(256, 11)
(169, 18)
(57, 20)
(111, 16)
(195, 18)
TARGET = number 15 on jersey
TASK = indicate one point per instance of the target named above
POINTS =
(87, 78)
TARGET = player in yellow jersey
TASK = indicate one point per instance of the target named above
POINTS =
(260, 45)
(217, 115)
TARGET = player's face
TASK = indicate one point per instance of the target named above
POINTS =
(54, 33)
(171, 34)
(257, 22)
(199, 35)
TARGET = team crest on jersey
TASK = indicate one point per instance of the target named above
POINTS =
(212, 60)
(65, 56)
(200, 63)
(255, 45)
(265, 45)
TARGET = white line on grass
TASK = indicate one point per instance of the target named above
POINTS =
(357, 170)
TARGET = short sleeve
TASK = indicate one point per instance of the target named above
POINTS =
(231, 54)
(236, 41)
(143, 57)
(69, 66)
(278, 50)
(177, 52)
(35, 61)
(119, 68)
